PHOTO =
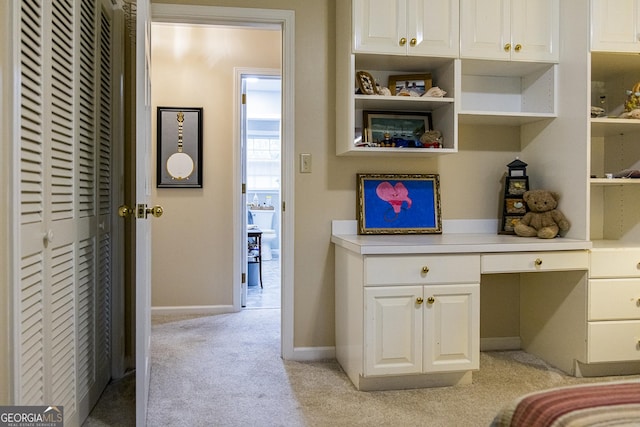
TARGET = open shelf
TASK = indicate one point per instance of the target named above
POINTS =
(606, 126)
(507, 93)
(501, 118)
(614, 181)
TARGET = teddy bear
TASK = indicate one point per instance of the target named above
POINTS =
(543, 219)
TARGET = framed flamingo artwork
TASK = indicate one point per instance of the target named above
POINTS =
(399, 204)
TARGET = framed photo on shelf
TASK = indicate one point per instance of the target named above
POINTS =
(397, 127)
(179, 147)
(399, 204)
(366, 83)
(419, 83)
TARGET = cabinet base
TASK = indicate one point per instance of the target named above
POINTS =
(403, 382)
(606, 369)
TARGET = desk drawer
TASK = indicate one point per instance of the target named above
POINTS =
(614, 341)
(615, 263)
(526, 262)
(408, 269)
(614, 299)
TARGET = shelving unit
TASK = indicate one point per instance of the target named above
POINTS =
(479, 91)
(443, 109)
(614, 146)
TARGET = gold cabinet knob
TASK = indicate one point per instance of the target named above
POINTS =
(124, 211)
(425, 269)
(413, 41)
(156, 211)
(403, 41)
(507, 47)
(538, 262)
(431, 300)
(518, 47)
(419, 300)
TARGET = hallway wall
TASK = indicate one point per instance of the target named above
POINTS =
(193, 66)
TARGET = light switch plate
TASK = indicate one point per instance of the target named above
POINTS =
(305, 163)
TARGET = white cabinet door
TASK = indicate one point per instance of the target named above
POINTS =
(451, 328)
(516, 30)
(614, 25)
(379, 26)
(535, 30)
(393, 330)
(406, 27)
(485, 29)
(434, 25)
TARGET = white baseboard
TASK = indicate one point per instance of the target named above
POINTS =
(313, 354)
(197, 310)
(500, 344)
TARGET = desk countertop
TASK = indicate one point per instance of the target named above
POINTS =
(452, 243)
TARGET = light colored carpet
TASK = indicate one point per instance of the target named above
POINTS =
(226, 370)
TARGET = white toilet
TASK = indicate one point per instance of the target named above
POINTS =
(263, 218)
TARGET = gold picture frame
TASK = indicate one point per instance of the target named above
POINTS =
(399, 204)
(420, 83)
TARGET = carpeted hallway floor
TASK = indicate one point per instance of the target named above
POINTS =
(226, 370)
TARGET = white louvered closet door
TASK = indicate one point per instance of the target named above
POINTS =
(63, 349)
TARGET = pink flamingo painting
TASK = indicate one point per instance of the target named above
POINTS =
(395, 195)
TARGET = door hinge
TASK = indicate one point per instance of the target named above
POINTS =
(244, 99)
(244, 277)
(283, 206)
(244, 188)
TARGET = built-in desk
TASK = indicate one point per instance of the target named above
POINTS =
(407, 306)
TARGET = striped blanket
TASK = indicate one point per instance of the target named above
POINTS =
(602, 404)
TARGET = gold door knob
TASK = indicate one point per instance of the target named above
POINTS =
(413, 41)
(403, 41)
(425, 269)
(156, 211)
(507, 47)
(419, 300)
(518, 47)
(124, 211)
(431, 300)
(538, 262)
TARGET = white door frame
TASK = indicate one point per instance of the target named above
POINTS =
(240, 166)
(258, 18)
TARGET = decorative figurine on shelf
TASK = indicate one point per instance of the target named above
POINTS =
(543, 219)
(516, 183)
(431, 139)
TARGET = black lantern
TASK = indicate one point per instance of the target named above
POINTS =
(517, 168)
(516, 183)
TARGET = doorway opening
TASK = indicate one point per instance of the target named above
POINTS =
(282, 21)
(261, 154)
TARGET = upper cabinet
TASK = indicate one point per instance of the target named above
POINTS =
(614, 25)
(510, 30)
(406, 27)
